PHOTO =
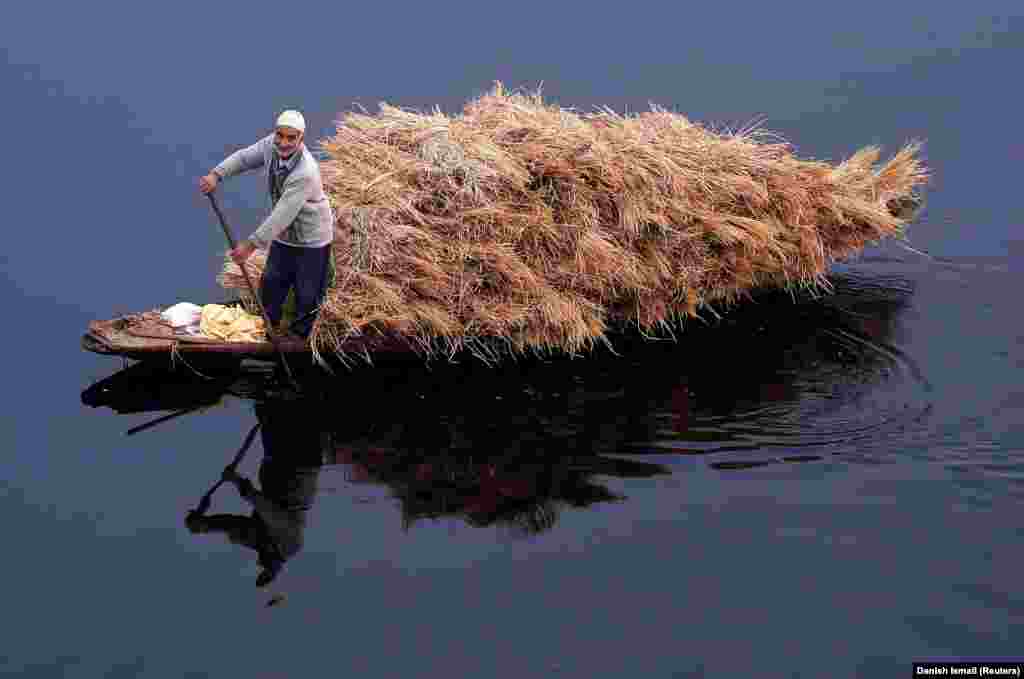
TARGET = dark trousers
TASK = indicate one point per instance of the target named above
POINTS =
(305, 269)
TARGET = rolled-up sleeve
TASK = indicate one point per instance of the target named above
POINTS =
(242, 160)
(297, 191)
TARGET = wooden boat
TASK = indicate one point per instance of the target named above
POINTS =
(146, 336)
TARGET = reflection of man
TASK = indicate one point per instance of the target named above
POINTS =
(288, 483)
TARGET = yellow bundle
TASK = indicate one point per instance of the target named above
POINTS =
(231, 324)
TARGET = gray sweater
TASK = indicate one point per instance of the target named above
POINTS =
(303, 215)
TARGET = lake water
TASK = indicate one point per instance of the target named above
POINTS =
(828, 487)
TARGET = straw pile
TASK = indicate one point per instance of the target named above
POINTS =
(519, 225)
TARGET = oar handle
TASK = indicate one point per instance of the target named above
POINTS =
(223, 221)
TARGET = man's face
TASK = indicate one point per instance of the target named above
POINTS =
(286, 140)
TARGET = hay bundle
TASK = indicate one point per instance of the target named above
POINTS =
(521, 225)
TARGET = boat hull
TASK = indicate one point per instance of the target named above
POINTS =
(145, 337)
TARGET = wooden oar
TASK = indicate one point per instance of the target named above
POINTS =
(252, 291)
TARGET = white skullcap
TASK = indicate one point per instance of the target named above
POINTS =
(292, 119)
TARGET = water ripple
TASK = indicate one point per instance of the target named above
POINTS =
(843, 386)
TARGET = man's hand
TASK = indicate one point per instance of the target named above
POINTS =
(242, 252)
(208, 183)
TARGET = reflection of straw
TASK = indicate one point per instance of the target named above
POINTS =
(519, 225)
(528, 496)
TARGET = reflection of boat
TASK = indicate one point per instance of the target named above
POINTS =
(146, 387)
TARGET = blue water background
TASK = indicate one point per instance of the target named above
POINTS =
(852, 565)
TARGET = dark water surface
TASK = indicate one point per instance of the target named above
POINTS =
(828, 487)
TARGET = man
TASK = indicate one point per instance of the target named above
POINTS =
(300, 227)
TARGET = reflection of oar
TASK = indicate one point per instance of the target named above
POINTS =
(252, 290)
(204, 504)
(165, 418)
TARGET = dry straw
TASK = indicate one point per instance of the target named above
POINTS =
(519, 225)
